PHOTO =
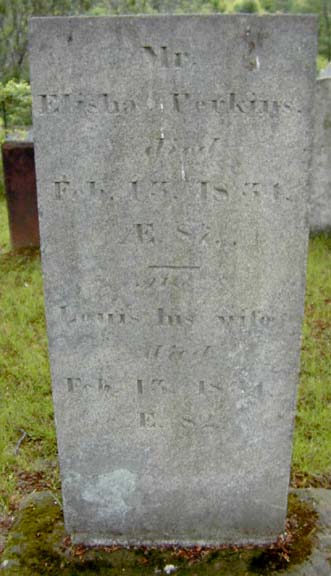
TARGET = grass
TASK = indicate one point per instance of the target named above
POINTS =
(27, 441)
(26, 405)
(312, 438)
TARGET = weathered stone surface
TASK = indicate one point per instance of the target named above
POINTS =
(21, 193)
(172, 161)
(320, 209)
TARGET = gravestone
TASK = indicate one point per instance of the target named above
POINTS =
(320, 204)
(21, 193)
(172, 157)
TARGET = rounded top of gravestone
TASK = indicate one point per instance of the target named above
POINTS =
(326, 72)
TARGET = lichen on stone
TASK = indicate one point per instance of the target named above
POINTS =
(38, 546)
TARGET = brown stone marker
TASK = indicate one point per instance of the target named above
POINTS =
(21, 193)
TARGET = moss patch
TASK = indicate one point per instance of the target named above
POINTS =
(297, 543)
(38, 546)
(35, 537)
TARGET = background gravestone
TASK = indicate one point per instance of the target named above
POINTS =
(21, 193)
(172, 160)
(320, 210)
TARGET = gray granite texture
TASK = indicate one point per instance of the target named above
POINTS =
(320, 209)
(172, 156)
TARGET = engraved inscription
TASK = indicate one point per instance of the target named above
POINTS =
(207, 421)
(162, 386)
(199, 233)
(168, 318)
(189, 190)
(172, 319)
(246, 320)
(176, 190)
(201, 421)
(217, 191)
(99, 385)
(61, 187)
(84, 103)
(177, 352)
(103, 386)
(206, 387)
(72, 316)
(143, 233)
(166, 276)
(250, 105)
(154, 385)
(145, 387)
(147, 419)
(254, 41)
(163, 57)
(92, 189)
(73, 384)
(181, 102)
(172, 148)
